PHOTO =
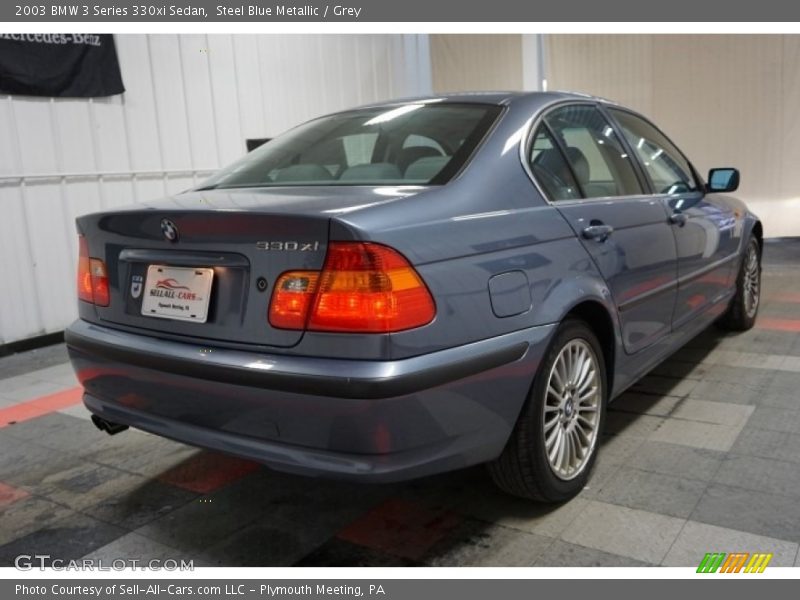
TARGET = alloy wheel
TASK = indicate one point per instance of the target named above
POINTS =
(572, 409)
(752, 281)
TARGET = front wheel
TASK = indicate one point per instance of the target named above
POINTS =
(554, 444)
(742, 312)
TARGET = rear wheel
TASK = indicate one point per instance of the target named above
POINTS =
(554, 444)
(743, 310)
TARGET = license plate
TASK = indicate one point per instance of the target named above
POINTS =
(177, 293)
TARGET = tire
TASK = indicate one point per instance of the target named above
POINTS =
(743, 310)
(524, 468)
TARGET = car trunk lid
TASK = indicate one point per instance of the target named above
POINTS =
(241, 241)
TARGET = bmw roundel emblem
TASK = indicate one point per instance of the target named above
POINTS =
(170, 230)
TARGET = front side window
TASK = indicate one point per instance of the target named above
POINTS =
(668, 170)
(410, 144)
(595, 153)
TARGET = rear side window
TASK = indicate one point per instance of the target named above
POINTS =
(409, 144)
(668, 170)
(550, 168)
(595, 153)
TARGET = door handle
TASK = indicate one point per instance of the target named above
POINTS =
(678, 218)
(597, 232)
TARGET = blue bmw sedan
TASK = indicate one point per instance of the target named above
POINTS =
(414, 287)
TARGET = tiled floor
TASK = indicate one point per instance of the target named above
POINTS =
(702, 455)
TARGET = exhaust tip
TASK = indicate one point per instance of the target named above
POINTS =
(107, 426)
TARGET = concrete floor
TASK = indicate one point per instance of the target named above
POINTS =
(703, 455)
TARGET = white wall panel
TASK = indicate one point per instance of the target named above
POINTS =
(34, 135)
(19, 315)
(202, 128)
(191, 102)
(50, 264)
(117, 192)
(139, 117)
(109, 148)
(9, 155)
(225, 95)
(170, 102)
(148, 187)
(73, 137)
(248, 76)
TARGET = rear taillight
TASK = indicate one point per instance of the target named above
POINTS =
(363, 288)
(92, 276)
(292, 299)
(84, 272)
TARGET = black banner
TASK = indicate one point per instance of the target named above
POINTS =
(59, 65)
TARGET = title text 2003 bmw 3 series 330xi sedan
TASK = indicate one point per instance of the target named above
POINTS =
(414, 287)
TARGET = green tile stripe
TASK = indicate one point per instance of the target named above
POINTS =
(711, 562)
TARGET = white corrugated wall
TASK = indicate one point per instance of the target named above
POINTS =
(191, 102)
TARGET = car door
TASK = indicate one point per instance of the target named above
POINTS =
(705, 231)
(580, 162)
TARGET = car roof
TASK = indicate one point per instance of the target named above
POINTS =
(501, 98)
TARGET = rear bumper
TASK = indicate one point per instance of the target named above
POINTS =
(378, 420)
(336, 378)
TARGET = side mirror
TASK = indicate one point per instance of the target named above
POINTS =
(723, 180)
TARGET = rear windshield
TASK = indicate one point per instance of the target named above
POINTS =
(410, 144)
